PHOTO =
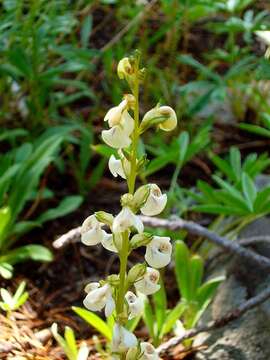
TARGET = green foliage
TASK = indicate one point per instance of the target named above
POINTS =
(68, 344)
(21, 169)
(195, 296)
(10, 302)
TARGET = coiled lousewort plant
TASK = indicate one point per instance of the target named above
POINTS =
(118, 293)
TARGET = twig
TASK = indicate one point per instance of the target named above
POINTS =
(196, 229)
(218, 323)
(193, 228)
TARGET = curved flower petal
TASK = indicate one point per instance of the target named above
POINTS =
(149, 283)
(91, 231)
(149, 352)
(171, 122)
(116, 168)
(135, 304)
(116, 137)
(155, 202)
(110, 305)
(122, 339)
(114, 115)
(108, 243)
(127, 123)
(158, 252)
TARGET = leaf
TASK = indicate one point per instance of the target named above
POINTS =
(27, 252)
(207, 290)
(6, 270)
(4, 220)
(249, 190)
(235, 160)
(160, 301)
(196, 274)
(71, 343)
(218, 209)
(86, 30)
(183, 141)
(149, 318)
(182, 268)
(172, 317)
(255, 129)
(223, 166)
(66, 206)
(94, 320)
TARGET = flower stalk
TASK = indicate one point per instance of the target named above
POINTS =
(119, 294)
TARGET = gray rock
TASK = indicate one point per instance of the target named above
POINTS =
(248, 337)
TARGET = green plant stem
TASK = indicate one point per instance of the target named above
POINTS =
(135, 138)
(122, 276)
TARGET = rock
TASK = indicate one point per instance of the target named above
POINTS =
(248, 337)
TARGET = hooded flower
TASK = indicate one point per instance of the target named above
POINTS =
(91, 231)
(99, 297)
(149, 283)
(135, 304)
(158, 252)
(119, 167)
(155, 203)
(121, 126)
(148, 351)
(163, 116)
(125, 220)
(122, 339)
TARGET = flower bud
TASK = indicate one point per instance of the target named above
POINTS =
(125, 220)
(127, 200)
(104, 217)
(155, 203)
(91, 231)
(149, 283)
(140, 196)
(136, 273)
(148, 352)
(122, 339)
(124, 68)
(135, 304)
(158, 252)
(142, 239)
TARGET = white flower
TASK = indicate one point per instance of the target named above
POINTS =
(148, 351)
(108, 243)
(264, 35)
(149, 283)
(98, 298)
(121, 126)
(122, 339)
(125, 220)
(91, 231)
(158, 252)
(119, 167)
(135, 304)
(83, 352)
(155, 203)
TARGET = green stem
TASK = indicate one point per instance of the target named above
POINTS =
(122, 276)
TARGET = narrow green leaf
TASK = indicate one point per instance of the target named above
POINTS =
(182, 269)
(94, 320)
(249, 190)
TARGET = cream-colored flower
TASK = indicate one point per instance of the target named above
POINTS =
(124, 68)
(91, 231)
(122, 339)
(149, 283)
(118, 136)
(158, 252)
(98, 298)
(155, 203)
(125, 220)
(119, 167)
(148, 351)
(135, 304)
(162, 116)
